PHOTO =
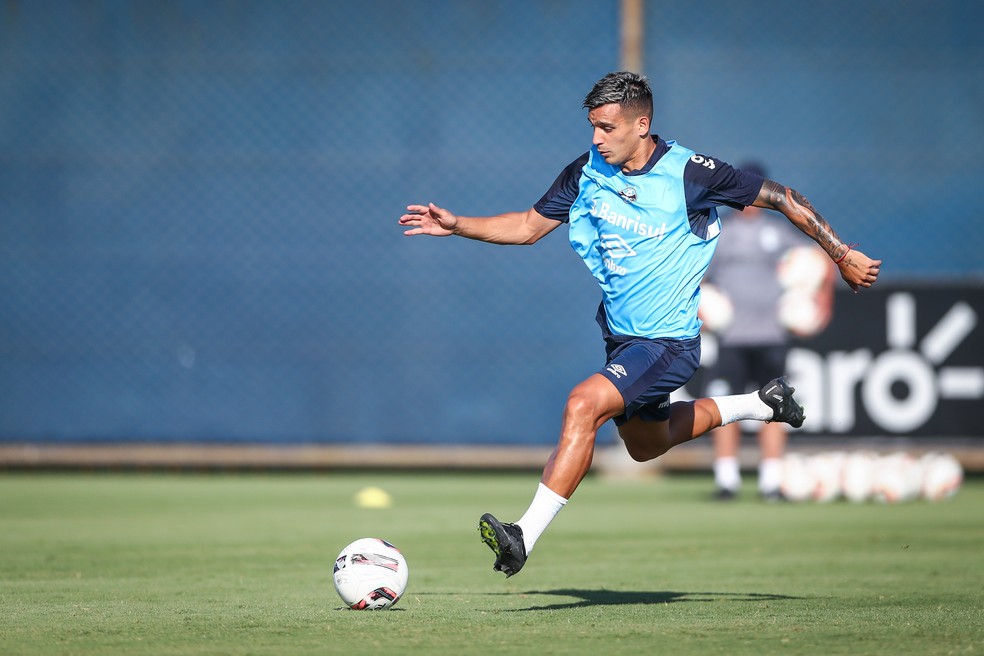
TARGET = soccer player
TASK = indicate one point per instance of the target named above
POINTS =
(752, 349)
(641, 213)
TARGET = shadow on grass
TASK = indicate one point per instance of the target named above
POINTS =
(628, 598)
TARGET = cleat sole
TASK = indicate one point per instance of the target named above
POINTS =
(488, 537)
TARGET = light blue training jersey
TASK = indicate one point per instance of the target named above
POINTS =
(634, 234)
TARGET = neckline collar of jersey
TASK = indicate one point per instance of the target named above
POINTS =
(661, 149)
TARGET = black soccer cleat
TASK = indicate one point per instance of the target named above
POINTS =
(506, 541)
(778, 395)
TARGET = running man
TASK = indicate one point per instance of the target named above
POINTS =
(753, 347)
(641, 213)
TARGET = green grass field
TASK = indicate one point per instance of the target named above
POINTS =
(241, 564)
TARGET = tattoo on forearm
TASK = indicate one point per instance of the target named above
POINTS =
(774, 193)
(818, 228)
(795, 206)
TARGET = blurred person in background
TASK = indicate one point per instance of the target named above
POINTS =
(752, 339)
(641, 213)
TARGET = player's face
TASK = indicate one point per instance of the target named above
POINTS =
(620, 137)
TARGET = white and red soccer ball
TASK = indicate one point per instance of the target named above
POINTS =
(862, 476)
(802, 272)
(858, 473)
(942, 476)
(370, 574)
(898, 478)
(798, 481)
(716, 310)
(827, 469)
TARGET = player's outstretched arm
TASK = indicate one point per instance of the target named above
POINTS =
(510, 228)
(857, 269)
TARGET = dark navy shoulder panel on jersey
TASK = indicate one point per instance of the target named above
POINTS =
(708, 183)
(556, 203)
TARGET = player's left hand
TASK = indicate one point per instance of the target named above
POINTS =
(858, 270)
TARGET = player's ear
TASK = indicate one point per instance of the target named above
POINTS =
(642, 123)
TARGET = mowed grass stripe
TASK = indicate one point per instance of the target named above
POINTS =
(241, 564)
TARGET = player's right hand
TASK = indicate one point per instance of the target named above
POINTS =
(429, 220)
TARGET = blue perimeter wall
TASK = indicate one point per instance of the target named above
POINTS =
(198, 201)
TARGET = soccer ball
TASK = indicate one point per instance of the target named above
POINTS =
(801, 273)
(942, 476)
(898, 478)
(858, 476)
(826, 468)
(370, 574)
(798, 481)
(715, 310)
(800, 313)
(803, 268)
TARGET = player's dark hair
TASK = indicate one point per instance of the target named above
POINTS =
(628, 90)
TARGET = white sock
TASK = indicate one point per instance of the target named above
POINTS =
(727, 475)
(544, 507)
(742, 406)
(770, 475)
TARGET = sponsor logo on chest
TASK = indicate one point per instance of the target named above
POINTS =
(633, 224)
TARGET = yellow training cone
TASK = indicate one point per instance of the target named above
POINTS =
(373, 497)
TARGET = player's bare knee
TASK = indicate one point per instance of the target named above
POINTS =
(639, 453)
(582, 404)
(643, 452)
(644, 442)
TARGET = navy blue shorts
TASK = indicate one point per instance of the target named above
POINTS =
(645, 371)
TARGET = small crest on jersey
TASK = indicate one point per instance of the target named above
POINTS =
(629, 194)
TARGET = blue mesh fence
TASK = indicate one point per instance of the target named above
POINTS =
(198, 201)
